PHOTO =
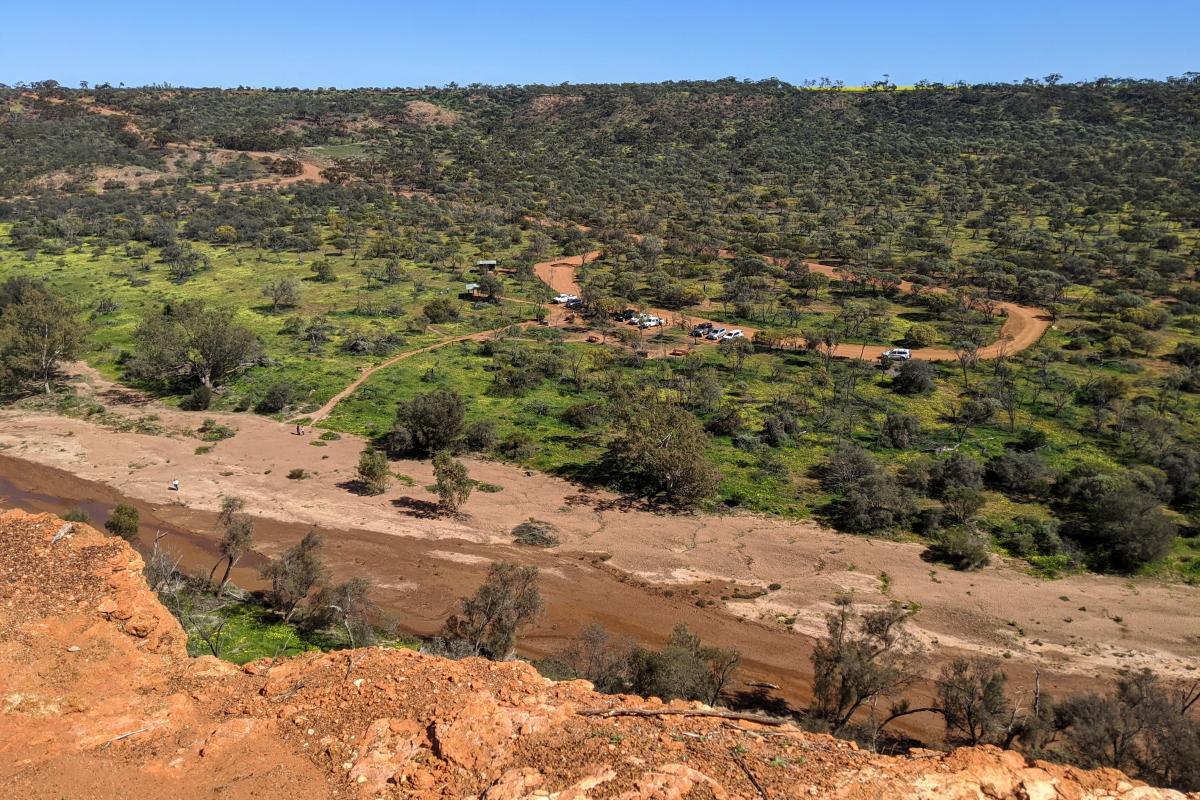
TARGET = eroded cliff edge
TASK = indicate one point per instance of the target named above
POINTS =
(99, 699)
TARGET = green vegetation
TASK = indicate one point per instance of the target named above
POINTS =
(251, 632)
(703, 199)
(123, 522)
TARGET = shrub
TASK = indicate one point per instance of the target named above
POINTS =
(917, 474)
(961, 547)
(199, 399)
(583, 414)
(914, 377)
(899, 431)
(323, 272)
(427, 423)
(847, 465)
(123, 522)
(517, 446)
(1031, 439)
(726, 421)
(1023, 473)
(212, 431)
(77, 514)
(779, 428)
(297, 474)
(279, 395)
(874, 503)
(684, 668)
(479, 436)
(535, 533)
(958, 469)
(452, 484)
(441, 309)
(1026, 536)
(920, 335)
(373, 472)
(928, 520)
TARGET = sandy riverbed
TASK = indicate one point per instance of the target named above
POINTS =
(612, 556)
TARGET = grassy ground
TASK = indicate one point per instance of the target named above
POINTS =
(770, 480)
(252, 632)
(140, 286)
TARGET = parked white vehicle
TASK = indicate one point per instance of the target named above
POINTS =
(716, 333)
(898, 354)
(736, 333)
(564, 298)
(650, 322)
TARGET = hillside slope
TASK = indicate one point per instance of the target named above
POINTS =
(100, 700)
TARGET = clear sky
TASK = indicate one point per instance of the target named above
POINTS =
(348, 43)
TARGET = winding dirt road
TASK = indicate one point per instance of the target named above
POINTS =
(1022, 327)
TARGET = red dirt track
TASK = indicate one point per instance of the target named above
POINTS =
(1022, 327)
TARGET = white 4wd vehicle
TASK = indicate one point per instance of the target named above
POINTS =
(564, 298)
(898, 354)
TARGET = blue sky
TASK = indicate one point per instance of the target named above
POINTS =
(401, 43)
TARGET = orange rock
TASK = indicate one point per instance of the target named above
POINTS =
(226, 736)
(130, 705)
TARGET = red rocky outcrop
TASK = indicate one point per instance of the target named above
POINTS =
(98, 699)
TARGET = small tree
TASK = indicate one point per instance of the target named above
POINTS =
(323, 272)
(862, 658)
(237, 539)
(203, 617)
(914, 377)
(491, 285)
(598, 656)
(685, 668)
(489, 621)
(349, 606)
(661, 451)
(38, 331)
(1141, 726)
(452, 483)
(295, 574)
(283, 293)
(962, 503)
(973, 702)
(192, 342)
(961, 547)
(737, 350)
(373, 471)
(428, 423)
(123, 522)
